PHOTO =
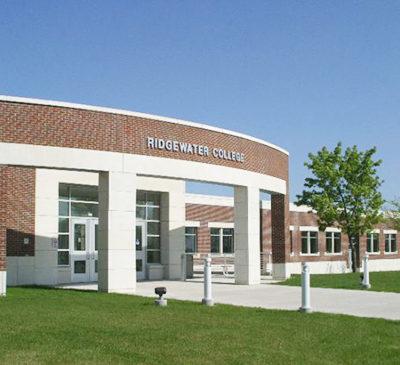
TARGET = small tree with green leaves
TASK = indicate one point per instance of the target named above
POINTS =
(343, 190)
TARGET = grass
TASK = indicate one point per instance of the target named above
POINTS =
(63, 327)
(386, 281)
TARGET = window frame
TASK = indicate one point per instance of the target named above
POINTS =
(330, 236)
(221, 236)
(68, 199)
(187, 234)
(308, 237)
(389, 239)
(371, 243)
(291, 241)
(149, 204)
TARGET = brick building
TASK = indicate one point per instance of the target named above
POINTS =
(98, 194)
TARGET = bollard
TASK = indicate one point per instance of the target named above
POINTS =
(3, 283)
(160, 291)
(305, 288)
(350, 259)
(207, 300)
(365, 282)
(183, 267)
(269, 271)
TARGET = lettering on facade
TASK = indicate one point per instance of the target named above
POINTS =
(193, 149)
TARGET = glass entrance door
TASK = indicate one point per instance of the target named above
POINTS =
(94, 234)
(84, 255)
(140, 250)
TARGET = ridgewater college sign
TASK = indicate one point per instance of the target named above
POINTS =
(193, 149)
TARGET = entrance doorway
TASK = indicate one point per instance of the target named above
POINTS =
(84, 255)
(141, 250)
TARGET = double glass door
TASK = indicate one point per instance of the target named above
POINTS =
(140, 250)
(84, 256)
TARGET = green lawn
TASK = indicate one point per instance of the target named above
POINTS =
(388, 281)
(64, 327)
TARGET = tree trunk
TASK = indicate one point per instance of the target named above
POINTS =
(355, 254)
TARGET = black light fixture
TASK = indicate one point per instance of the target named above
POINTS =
(160, 291)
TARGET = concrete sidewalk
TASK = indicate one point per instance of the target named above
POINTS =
(353, 302)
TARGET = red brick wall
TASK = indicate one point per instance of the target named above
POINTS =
(77, 128)
(208, 213)
(17, 217)
(298, 219)
(382, 255)
(205, 214)
(280, 228)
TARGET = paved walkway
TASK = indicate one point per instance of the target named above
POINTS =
(353, 302)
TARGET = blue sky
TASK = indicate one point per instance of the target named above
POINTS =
(300, 74)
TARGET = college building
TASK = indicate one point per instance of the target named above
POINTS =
(92, 194)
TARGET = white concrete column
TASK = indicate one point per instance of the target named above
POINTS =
(117, 218)
(46, 229)
(173, 217)
(247, 235)
(3, 282)
(3, 234)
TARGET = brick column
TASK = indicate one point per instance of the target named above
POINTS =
(280, 235)
(247, 235)
(3, 271)
(117, 219)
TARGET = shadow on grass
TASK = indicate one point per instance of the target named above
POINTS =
(55, 288)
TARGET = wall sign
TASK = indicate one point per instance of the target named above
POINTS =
(193, 149)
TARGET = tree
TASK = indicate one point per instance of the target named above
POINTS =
(392, 215)
(343, 190)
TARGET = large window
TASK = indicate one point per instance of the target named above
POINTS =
(74, 201)
(333, 242)
(373, 243)
(390, 243)
(222, 240)
(148, 209)
(291, 241)
(309, 242)
(191, 239)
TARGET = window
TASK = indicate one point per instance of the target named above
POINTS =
(291, 241)
(191, 239)
(333, 242)
(373, 243)
(227, 240)
(215, 240)
(222, 240)
(309, 242)
(390, 243)
(73, 201)
(148, 210)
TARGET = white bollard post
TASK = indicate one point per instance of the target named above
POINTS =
(350, 260)
(365, 282)
(305, 288)
(183, 267)
(207, 300)
(3, 283)
(269, 270)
